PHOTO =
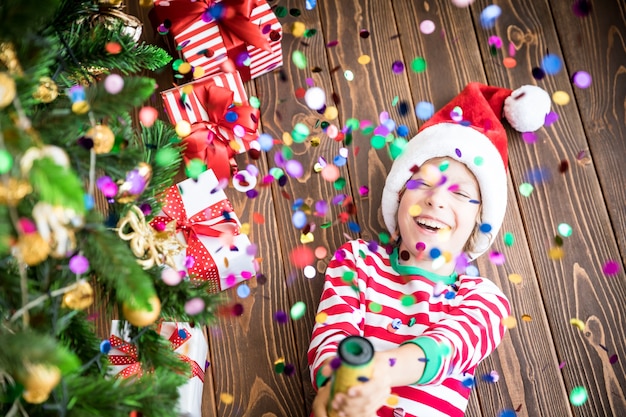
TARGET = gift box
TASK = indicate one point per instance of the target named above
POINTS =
(188, 342)
(209, 33)
(123, 355)
(216, 250)
(222, 121)
(191, 345)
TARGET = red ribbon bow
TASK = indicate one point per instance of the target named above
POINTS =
(177, 341)
(207, 141)
(130, 357)
(236, 28)
(212, 221)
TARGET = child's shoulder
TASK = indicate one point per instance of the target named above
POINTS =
(361, 248)
(478, 283)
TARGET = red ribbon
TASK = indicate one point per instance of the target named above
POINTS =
(212, 221)
(130, 357)
(235, 25)
(206, 141)
(177, 342)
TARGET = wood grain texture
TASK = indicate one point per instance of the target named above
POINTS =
(574, 286)
(590, 198)
(597, 44)
(245, 347)
(281, 110)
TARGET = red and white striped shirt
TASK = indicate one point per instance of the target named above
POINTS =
(365, 295)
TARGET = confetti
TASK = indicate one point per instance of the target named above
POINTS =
(610, 267)
(226, 398)
(299, 59)
(427, 27)
(309, 271)
(509, 62)
(489, 15)
(560, 98)
(581, 79)
(551, 64)
(578, 396)
(79, 264)
(509, 239)
(418, 64)
(315, 98)
(424, 110)
(364, 59)
(526, 189)
(171, 276)
(509, 322)
(564, 229)
(243, 291)
(579, 324)
(556, 253)
(515, 278)
(397, 67)
(297, 310)
(301, 256)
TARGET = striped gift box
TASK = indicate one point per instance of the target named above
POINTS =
(180, 106)
(203, 45)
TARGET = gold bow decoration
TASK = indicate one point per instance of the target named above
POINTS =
(149, 246)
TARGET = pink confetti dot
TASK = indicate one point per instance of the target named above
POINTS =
(194, 306)
(427, 27)
(529, 137)
(610, 268)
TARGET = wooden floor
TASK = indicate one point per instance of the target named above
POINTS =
(544, 357)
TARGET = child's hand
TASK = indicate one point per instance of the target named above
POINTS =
(365, 399)
(320, 403)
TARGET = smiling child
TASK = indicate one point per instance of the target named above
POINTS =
(429, 321)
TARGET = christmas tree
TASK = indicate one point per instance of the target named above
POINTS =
(83, 161)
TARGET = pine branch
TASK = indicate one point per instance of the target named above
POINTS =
(88, 41)
(123, 277)
(159, 140)
(57, 185)
(20, 17)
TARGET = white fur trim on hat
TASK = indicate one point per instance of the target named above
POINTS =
(446, 139)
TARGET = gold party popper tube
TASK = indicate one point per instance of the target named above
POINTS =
(356, 354)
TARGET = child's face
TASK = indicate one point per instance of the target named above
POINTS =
(439, 209)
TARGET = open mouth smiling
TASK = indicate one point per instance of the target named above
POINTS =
(430, 225)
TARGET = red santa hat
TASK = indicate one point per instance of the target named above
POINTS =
(468, 129)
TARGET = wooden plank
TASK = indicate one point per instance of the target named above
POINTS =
(596, 44)
(281, 110)
(574, 286)
(244, 348)
(453, 50)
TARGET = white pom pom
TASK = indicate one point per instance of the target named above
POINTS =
(526, 108)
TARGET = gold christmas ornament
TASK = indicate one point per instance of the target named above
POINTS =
(13, 191)
(9, 58)
(35, 396)
(136, 182)
(33, 248)
(149, 246)
(103, 138)
(7, 89)
(40, 380)
(139, 317)
(47, 91)
(146, 3)
(80, 297)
